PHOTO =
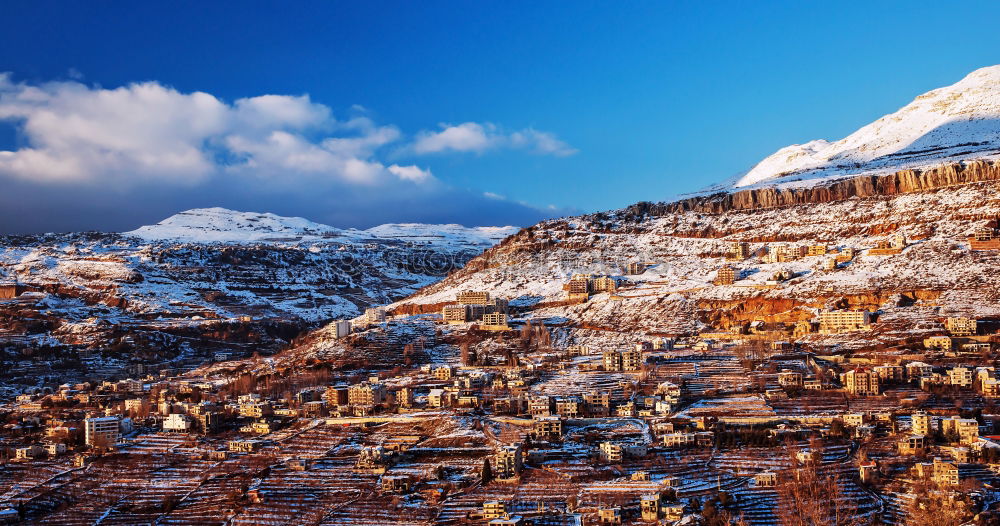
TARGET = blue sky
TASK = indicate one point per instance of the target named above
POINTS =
(644, 100)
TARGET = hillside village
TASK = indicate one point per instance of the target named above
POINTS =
(710, 371)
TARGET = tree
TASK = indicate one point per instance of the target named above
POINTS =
(933, 506)
(487, 473)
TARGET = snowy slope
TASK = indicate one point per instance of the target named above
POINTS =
(220, 225)
(957, 122)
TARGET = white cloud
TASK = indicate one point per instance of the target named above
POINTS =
(496, 196)
(475, 137)
(410, 173)
(150, 132)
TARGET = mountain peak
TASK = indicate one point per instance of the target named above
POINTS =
(222, 225)
(949, 124)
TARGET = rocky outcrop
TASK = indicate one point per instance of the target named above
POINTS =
(902, 182)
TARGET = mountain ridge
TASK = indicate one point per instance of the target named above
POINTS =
(959, 122)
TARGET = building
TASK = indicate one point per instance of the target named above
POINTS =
(635, 268)
(961, 326)
(342, 328)
(366, 394)
(816, 250)
(861, 383)
(966, 429)
(649, 506)
(548, 428)
(472, 297)
(837, 321)
(889, 374)
(632, 359)
(918, 370)
(913, 445)
(922, 423)
(509, 460)
(739, 250)
(374, 315)
(939, 343)
(495, 320)
(765, 479)
(177, 422)
(494, 509)
(793, 379)
(615, 452)
(101, 431)
(961, 376)
(725, 276)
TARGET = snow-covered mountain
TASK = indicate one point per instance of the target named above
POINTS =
(955, 123)
(220, 225)
(207, 280)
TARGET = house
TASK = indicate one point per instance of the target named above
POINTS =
(912, 445)
(868, 471)
(396, 483)
(609, 515)
(788, 378)
(649, 506)
(765, 479)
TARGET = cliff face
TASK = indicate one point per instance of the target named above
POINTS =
(902, 182)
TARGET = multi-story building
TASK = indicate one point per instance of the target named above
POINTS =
(889, 374)
(473, 297)
(725, 276)
(455, 313)
(342, 328)
(837, 321)
(939, 343)
(366, 394)
(862, 383)
(615, 452)
(495, 319)
(739, 250)
(816, 250)
(548, 428)
(961, 376)
(101, 431)
(961, 326)
(632, 359)
(374, 315)
(509, 461)
(922, 423)
(967, 429)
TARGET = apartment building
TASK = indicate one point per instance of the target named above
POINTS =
(509, 460)
(101, 431)
(938, 343)
(472, 297)
(961, 326)
(861, 383)
(725, 276)
(838, 321)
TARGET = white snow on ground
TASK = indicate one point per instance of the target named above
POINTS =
(960, 121)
